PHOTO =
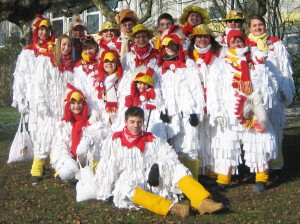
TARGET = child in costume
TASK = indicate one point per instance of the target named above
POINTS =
(144, 95)
(183, 98)
(69, 133)
(139, 162)
(277, 61)
(107, 33)
(30, 95)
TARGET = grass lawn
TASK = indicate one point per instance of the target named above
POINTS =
(53, 201)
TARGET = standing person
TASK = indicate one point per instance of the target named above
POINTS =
(126, 19)
(164, 22)
(138, 160)
(191, 17)
(78, 29)
(258, 136)
(277, 60)
(30, 95)
(107, 33)
(183, 99)
(218, 134)
(233, 21)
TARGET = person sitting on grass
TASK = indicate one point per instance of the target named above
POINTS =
(144, 171)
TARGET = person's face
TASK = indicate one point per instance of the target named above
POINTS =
(65, 46)
(141, 86)
(170, 49)
(236, 43)
(76, 106)
(109, 66)
(108, 35)
(257, 27)
(78, 32)
(141, 39)
(194, 19)
(234, 24)
(90, 50)
(202, 41)
(43, 33)
(126, 27)
(134, 124)
(164, 24)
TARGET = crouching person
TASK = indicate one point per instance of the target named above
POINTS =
(138, 169)
(69, 133)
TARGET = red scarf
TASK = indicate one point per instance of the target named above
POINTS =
(168, 65)
(66, 63)
(187, 29)
(103, 44)
(136, 98)
(128, 140)
(207, 57)
(143, 55)
(89, 64)
(43, 47)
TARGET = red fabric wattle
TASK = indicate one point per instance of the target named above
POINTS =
(139, 141)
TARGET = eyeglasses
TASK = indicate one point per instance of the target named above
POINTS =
(82, 39)
(141, 37)
(233, 20)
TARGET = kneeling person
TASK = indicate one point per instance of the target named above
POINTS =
(134, 162)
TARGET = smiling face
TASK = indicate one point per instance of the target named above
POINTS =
(78, 32)
(236, 42)
(108, 35)
(142, 87)
(134, 124)
(202, 41)
(141, 39)
(65, 46)
(109, 66)
(76, 106)
(171, 49)
(44, 33)
(194, 19)
(257, 27)
(90, 50)
(126, 27)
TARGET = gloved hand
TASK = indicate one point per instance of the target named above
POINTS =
(193, 120)
(153, 177)
(22, 108)
(164, 117)
(256, 98)
(220, 121)
(82, 148)
(94, 117)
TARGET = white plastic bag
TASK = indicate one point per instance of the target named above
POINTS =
(86, 188)
(21, 148)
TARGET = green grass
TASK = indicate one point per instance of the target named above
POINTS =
(53, 201)
(9, 115)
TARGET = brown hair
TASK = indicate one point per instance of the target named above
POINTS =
(215, 46)
(57, 49)
(260, 18)
(134, 112)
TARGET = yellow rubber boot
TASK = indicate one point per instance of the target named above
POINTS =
(193, 190)
(192, 165)
(223, 179)
(37, 167)
(56, 173)
(262, 177)
(152, 202)
(277, 164)
(94, 164)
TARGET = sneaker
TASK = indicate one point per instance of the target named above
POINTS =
(34, 180)
(180, 209)
(260, 187)
(209, 206)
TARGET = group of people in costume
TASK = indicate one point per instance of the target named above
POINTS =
(191, 101)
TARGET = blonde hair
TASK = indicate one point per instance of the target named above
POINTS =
(57, 49)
